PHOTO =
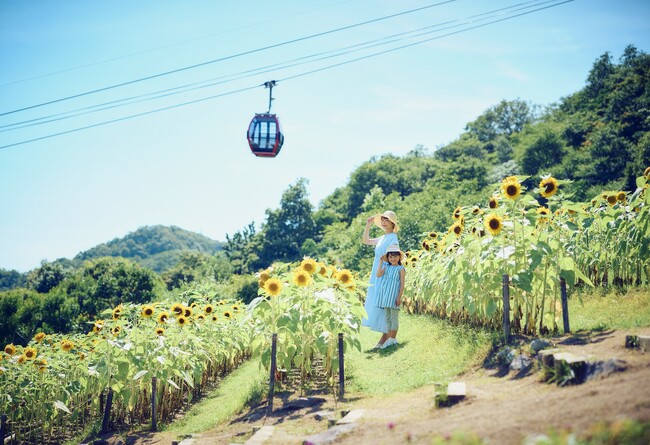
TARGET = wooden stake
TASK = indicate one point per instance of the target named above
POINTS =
(506, 307)
(341, 367)
(274, 345)
(565, 306)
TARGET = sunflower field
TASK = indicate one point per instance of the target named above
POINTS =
(307, 305)
(57, 384)
(536, 237)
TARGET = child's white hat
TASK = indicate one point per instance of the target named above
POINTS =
(393, 248)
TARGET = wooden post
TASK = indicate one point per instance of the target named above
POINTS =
(274, 346)
(153, 404)
(107, 410)
(565, 306)
(341, 367)
(506, 307)
(3, 427)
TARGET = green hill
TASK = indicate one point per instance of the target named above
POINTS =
(155, 247)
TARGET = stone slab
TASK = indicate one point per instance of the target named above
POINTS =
(261, 436)
(456, 389)
(351, 417)
(330, 435)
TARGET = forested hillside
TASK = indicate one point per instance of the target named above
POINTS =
(156, 247)
(597, 137)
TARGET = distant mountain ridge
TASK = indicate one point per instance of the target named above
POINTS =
(155, 247)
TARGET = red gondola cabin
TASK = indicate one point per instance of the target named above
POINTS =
(265, 135)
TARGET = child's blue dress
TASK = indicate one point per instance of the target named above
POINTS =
(388, 286)
(376, 319)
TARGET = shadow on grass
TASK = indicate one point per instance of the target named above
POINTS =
(370, 353)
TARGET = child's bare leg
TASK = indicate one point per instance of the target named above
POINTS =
(392, 334)
(383, 338)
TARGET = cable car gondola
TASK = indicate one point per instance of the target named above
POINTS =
(264, 135)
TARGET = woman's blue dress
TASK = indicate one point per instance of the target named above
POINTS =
(376, 319)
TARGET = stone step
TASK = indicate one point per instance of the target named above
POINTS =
(260, 436)
(576, 363)
(641, 342)
(547, 361)
(351, 417)
(456, 391)
(329, 436)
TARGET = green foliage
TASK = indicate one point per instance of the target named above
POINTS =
(46, 277)
(11, 279)
(24, 312)
(287, 228)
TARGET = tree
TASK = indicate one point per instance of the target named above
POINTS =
(505, 118)
(11, 279)
(287, 228)
(542, 149)
(242, 249)
(46, 277)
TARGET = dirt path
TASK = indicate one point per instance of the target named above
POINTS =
(501, 406)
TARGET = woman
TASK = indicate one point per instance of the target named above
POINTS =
(388, 222)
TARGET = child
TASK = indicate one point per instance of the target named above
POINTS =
(390, 289)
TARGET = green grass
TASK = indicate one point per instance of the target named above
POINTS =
(430, 351)
(610, 309)
(243, 385)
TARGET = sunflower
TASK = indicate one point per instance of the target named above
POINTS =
(200, 317)
(456, 228)
(81, 355)
(344, 277)
(147, 311)
(227, 314)
(646, 173)
(117, 312)
(433, 235)
(621, 196)
(476, 210)
(322, 269)
(426, 246)
(41, 364)
(66, 344)
(193, 305)
(116, 330)
(611, 199)
(10, 349)
(29, 353)
(160, 331)
(162, 317)
(39, 337)
(494, 223)
(308, 265)
(22, 359)
(182, 321)
(97, 326)
(177, 309)
(187, 312)
(215, 318)
(264, 275)
(457, 213)
(208, 309)
(511, 188)
(548, 187)
(235, 308)
(543, 212)
(273, 287)
(301, 278)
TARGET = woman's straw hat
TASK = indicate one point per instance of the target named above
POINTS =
(392, 217)
(393, 248)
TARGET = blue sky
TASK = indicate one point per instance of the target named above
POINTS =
(190, 166)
